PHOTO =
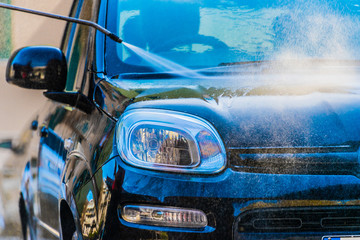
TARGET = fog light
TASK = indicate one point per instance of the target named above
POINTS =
(164, 216)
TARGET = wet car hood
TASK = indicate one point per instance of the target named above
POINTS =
(276, 121)
(310, 120)
(295, 109)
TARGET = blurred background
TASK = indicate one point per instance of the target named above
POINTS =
(18, 30)
(17, 105)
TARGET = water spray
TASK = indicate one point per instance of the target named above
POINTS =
(64, 18)
(157, 62)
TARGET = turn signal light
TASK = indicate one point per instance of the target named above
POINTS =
(164, 216)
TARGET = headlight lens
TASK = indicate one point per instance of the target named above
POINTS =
(169, 141)
(163, 146)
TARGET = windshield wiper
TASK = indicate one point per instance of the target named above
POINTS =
(133, 76)
(296, 61)
(241, 63)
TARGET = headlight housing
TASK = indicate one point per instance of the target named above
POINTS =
(169, 141)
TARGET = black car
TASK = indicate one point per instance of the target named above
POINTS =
(211, 120)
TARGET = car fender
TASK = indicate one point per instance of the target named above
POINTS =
(76, 174)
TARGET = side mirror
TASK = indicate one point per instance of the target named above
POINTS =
(37, 68)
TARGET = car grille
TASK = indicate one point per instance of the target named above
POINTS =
(300, 220)
(340, 160)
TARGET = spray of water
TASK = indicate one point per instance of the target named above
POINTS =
(312, 38)
(316, 29)
(161, 64)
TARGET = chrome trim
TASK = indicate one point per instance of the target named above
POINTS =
(295, 149)
(289, 147)
(48, 228)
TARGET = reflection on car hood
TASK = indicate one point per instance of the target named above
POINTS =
(262, 110)
(312, 120)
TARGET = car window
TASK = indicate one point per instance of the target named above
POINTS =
(76, 50)
(69, 30)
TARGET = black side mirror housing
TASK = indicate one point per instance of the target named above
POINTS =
(39, 67)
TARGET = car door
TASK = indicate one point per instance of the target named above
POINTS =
(48, 169)
(57, 131)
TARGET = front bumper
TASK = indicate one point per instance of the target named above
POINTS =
(238, 205)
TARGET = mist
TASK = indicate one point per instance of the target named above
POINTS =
(317, 29)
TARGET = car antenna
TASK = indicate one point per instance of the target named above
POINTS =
(64, 18)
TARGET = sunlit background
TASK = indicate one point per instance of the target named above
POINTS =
(18, 30)
(17, 105)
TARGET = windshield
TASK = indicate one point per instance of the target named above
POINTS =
(208, 33)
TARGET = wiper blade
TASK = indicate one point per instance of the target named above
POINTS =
(148, 76)
(240, 63)
(297, 61)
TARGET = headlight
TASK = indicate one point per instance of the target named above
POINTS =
(169, 141)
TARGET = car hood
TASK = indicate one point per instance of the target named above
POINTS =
(314, 120)
(261, 109)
